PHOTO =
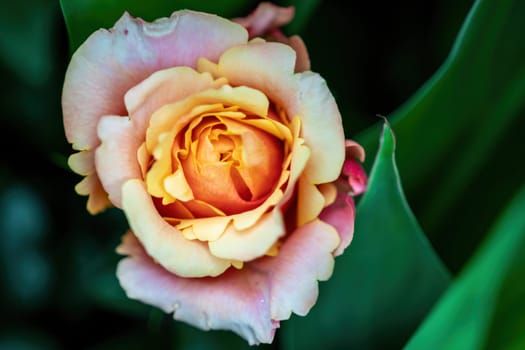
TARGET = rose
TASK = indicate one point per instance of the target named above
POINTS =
(227, 164)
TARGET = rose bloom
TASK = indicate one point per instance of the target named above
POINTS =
(228, 158)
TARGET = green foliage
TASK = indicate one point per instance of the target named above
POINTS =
(386, 281)
(455, 130)
(484, 307)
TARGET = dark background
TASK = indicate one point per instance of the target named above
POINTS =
(58, 288)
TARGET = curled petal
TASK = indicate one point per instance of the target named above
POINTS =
(302, 62)
(353, 170)
(98, 198)
(317, 108)
(354, 150)
(252, 242)
(164, 242)
(82, 163)
(341, 215)
(266, 18)
(357, 179)
(254, 65)
(266, 21)
(239, 299)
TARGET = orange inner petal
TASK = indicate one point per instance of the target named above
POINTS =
(224, 161)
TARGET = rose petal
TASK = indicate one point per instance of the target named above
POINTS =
(163, 87)
(250, 301)
(304, 258)
(109, 63)
(322, 129)
(98, 198)
(354, 150)
(82, 163)
(310, 201)
(341, 215)
(252, 242)
(302, 62)
(116, 158)
(265, 18)
(266, 66)
(239, 298)
(164, 242)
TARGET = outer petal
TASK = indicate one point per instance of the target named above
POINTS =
(322, 128)
(164, 242)
(341, 215)
(265, 18)
(239, 299)
(110, 62)
(116, 157)
(98, 198)
(250, 301)
(304, 258)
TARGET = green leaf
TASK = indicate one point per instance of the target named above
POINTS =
(484, 307)
(83, 17)
(387, 279)
(457, 126)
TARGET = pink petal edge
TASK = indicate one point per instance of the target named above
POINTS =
(250, 301)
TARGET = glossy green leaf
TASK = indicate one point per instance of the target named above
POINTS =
(455, 129)
(83, 17)
(387, 279)
(484, 307)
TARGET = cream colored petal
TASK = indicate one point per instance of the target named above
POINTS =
(310, 202)
(164, 242)
(206, 229)
(247, 219)
(251, 243)
(98, 198)
(177, 186)
(82, 163)
(322, 129)
(266, 66)
(300, 156)
(329, 192)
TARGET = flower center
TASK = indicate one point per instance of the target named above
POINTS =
(229, 164)
(213, 160)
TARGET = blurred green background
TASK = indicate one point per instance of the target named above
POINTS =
(460, 152)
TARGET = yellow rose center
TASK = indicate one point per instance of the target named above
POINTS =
(215, 159)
